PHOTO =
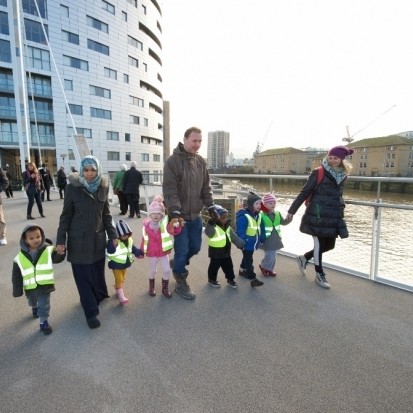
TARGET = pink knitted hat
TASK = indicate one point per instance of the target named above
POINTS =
(156, 207)
(268, 197)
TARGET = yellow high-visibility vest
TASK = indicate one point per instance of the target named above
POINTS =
(269, 225)
(166, 238)
(220, 237)
(122, 252)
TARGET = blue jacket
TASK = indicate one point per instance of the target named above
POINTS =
(251, 242)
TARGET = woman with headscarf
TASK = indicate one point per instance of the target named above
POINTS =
(84, 223)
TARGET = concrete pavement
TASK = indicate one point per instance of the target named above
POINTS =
(287, 347)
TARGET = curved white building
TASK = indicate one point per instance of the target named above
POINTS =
(104, 63)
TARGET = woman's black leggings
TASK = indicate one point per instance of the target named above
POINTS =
(321, 245)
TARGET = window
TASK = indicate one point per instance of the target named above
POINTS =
(145, 157)
(133, 2)
(126, 78)
(136, 101)
(135, 43)
(64, 10)
(97, 24)
(144, 9)
(128, 156)
(30, 7)
(145, 122)
(76, 63)
(5, 52)
(3, 3)
(70, 37)
(83, 131)
(100, 113)
(98, 47)
(125, 16)
(34, 31)
(4, 23)
(390, 156)
(134, 119)
(113, 156)
(133, 62)
(127, 137)
(68, 84)
(112, 136)
(76, 109)
(157, 158)
(100, 91)
(108, 7)
(363, 165)
(110, 73)
(39, 59)
(145, 67)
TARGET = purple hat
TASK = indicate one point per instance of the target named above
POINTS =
(340, 151)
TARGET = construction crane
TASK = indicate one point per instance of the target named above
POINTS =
(260, 144)
(350, 138)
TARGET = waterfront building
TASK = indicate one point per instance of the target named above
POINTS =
(91, 67)
(384, 156)
(218, 149)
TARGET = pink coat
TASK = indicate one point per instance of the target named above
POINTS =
(155, 241)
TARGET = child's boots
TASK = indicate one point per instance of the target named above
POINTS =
(152, 292)
(122, 299)
(165, 289)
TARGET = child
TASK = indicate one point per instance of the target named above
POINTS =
(120, 257)
(248, 228)
(220, 235)
(271, 222)
(33, 273)
(157, 243)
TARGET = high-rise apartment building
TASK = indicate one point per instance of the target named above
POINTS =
(218, 149)
(91, 67)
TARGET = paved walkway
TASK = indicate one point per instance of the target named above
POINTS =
(286, 347)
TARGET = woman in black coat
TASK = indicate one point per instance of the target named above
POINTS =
(323, 217)
(85, 223)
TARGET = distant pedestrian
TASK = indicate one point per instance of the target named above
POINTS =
(157, 242)
(9, 190)
(271, 221)
(4, 183)
(33, 272)
(323, 217)
(248, 228)
(61, 181)
(47, 182)
(120, 257)
(85, 225)
(33, 185)
(118, 189)
(220, 236)
(132, 179)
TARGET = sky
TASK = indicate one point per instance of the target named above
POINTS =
(289, 73)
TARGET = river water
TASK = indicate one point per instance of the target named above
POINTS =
(395, 253)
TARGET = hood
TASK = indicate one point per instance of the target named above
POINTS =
(23, 245)
(180, 150)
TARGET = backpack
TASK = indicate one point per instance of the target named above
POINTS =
(320, 176)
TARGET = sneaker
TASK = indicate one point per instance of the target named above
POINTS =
(302, 263)
(214, 283)
(3, 241)
(320, 279)
(45, 328)
(93, 322)
(35, 312)
(242, 272)
(256, 283)
(232, 283)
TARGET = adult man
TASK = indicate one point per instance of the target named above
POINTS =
(187, 189)
(118, 189)
(130, 184)
(61, 181)
(9, 189)
(4, 183)
(47, 180)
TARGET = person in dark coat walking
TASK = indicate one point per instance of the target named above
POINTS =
(9, 189)
(323, 217)
(61, 181)
(4, 183)
(130, 184)
(47, 181)
(84, 227)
